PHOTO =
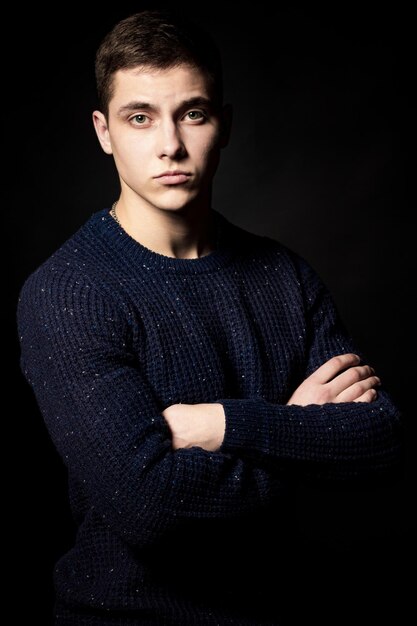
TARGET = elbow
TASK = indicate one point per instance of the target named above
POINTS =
(140, 523)
(380, 453)
(387, 457)
(143, 534)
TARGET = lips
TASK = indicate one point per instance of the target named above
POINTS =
(173, 177)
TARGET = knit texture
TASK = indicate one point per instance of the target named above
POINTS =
(111, 334)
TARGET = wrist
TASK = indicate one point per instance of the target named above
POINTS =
(211, 438)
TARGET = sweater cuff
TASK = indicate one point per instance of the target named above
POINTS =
(244, 424)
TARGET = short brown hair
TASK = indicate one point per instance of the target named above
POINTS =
(158, 39)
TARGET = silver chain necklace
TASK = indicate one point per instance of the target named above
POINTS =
(114, 214)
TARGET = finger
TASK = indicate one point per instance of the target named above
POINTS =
(349, 377)
(356, 390)
(334, 366)
(368, 396)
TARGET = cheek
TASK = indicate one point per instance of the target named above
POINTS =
(204, 148)
(128, 149)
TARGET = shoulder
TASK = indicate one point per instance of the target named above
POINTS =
(76, 266)
(270, 253)
(270, 260)
(62, 309)
(81, 252)
(69, 285)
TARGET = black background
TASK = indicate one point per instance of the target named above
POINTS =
(316, 160)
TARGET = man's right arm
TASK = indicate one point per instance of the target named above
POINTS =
(107, 424)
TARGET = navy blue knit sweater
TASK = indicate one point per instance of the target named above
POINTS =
(111, 334)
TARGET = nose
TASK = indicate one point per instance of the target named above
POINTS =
(170, 143)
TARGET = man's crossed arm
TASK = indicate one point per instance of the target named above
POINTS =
(341, 379)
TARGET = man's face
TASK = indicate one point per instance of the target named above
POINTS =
(163, 121)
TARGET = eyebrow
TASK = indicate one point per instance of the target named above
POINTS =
(148, 106)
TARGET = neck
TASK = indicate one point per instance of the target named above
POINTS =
(184, 233)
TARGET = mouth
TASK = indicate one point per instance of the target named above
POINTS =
(173, 177)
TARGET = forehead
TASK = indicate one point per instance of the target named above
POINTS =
(158, 86)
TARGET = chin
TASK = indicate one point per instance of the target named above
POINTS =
(172, 209)
(175, 201)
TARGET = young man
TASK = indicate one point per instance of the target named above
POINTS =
(188, 370)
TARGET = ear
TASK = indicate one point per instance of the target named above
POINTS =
(225, 124)
(102, 130)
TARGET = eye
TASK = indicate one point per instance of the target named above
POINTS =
(195, 116)
(139, 119)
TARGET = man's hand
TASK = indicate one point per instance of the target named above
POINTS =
(340, 379)
(201, 425)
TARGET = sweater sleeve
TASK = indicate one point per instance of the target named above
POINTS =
(333, 440)
(104, 419)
